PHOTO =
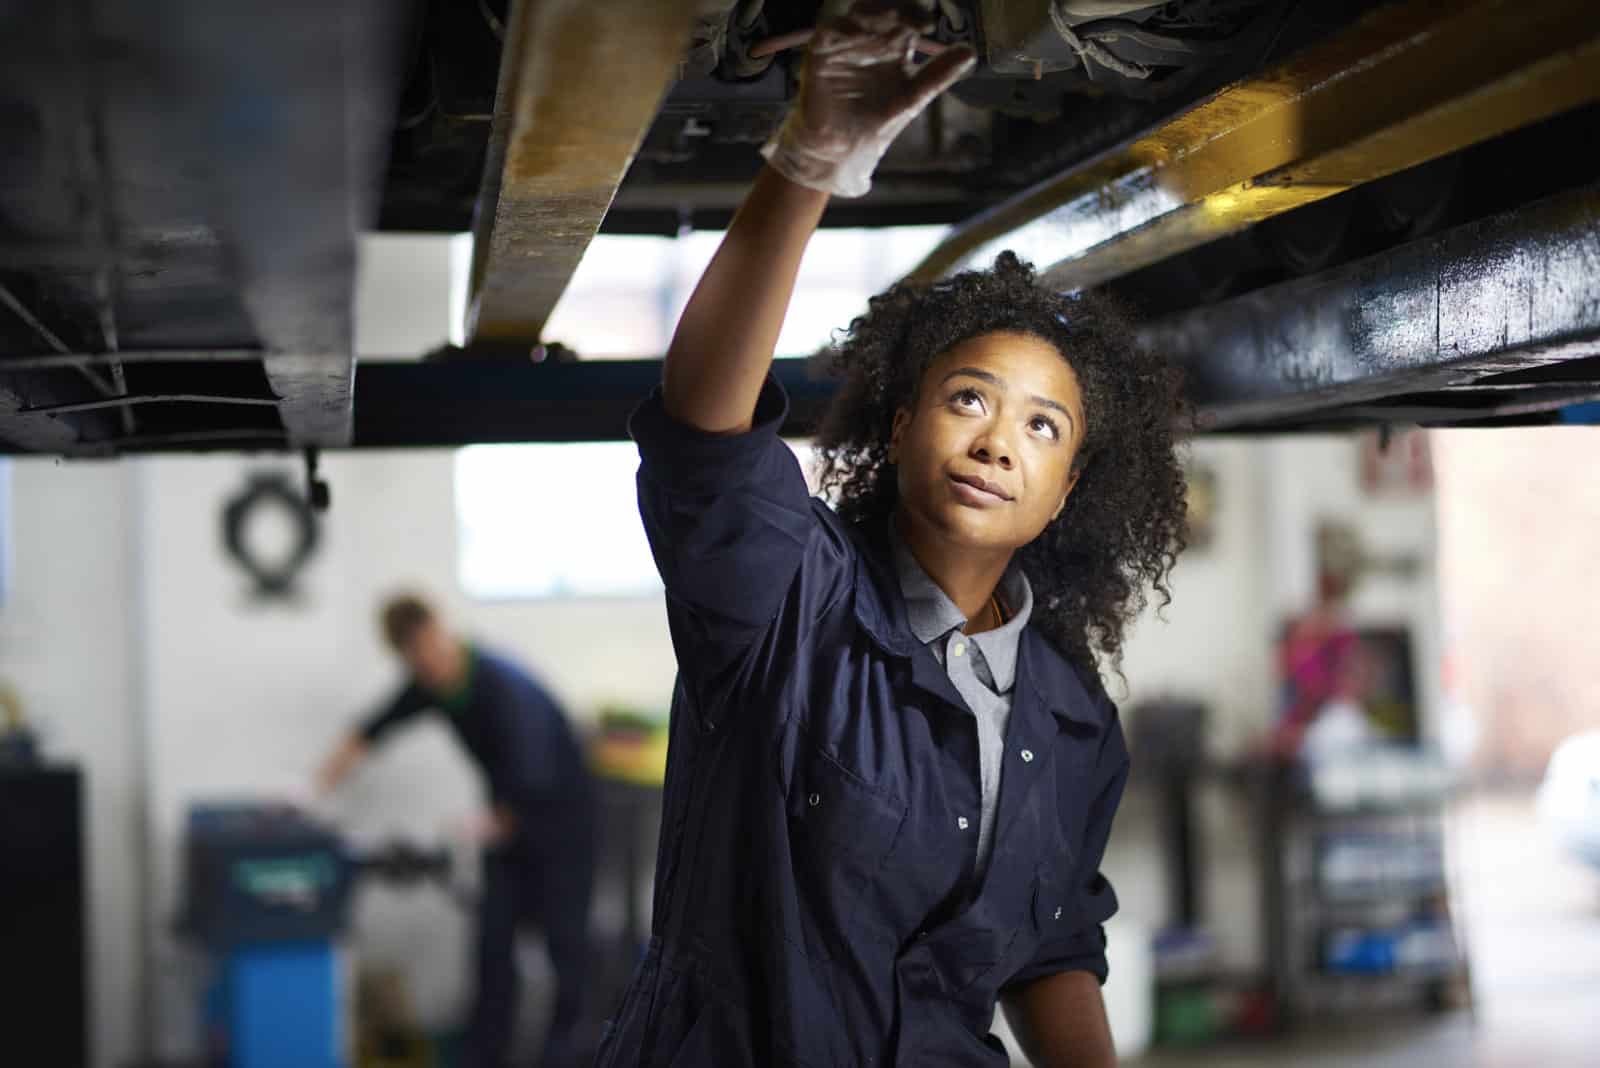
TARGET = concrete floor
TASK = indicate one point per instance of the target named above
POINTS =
(1532, 921)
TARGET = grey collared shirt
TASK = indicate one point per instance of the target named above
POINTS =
(982, 667)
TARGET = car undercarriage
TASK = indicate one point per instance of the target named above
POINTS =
(1330, 214)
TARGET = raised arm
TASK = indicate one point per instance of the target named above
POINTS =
(723, 345)
(858, 91)
(724, 503)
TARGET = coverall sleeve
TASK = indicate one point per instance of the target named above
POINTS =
(1081, 944)
(408, 703)
(729, 517)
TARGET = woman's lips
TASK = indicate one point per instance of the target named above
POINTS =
(978, 492)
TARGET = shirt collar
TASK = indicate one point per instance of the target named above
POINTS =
(460, 698)
(931, 614)
(880, 611)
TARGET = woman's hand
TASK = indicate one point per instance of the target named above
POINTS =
(858, 90)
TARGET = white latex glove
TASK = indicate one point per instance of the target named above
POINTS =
(858, 90)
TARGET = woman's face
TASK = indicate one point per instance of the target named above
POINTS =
(984, 454)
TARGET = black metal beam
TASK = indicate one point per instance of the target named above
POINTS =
(1494, 322)
(291, 103)
(1504, 294)
(187, 174)
(448, 403)
(409, 405)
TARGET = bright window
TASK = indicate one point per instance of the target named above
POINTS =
(545, 521)
(562, 520)
(551, 521)
(627, 292)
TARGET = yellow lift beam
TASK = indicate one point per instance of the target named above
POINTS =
(580, 83)
(1404, 85)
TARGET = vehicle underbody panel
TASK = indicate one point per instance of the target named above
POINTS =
(1332, 214)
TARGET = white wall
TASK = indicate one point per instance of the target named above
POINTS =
(1212, 642)
(67, 647)
(1519, 591)
(411, 293)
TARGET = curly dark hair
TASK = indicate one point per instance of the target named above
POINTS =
(1124, 524)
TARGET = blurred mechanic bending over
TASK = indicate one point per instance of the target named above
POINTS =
(538, 834)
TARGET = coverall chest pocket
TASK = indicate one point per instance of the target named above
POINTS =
(836, 813)
(842, 831)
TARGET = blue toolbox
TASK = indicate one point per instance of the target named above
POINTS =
(266, 894)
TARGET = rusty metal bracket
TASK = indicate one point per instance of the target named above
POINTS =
(1408, 83)
(580, 82)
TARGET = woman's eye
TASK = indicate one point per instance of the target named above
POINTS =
(968, 398)
(1040, 425)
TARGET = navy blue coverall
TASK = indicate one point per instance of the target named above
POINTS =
(815, 898)
(534, 766)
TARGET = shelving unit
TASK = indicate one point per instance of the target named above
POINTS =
(1356, 905)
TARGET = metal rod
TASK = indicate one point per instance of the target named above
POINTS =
(150, 398)
(105, 306)
(108, 272)
(133, 356)
(9, 299)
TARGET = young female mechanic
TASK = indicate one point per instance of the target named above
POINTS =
(893, 768)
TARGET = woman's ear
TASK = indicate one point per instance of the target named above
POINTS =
(1072, 480)
(902, 419)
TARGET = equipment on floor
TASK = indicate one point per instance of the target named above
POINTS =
(43, 984)
(266, 894)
